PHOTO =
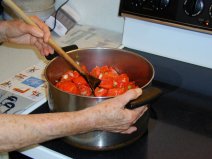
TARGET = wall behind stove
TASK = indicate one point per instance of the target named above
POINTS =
(175, 43)
(99, 13)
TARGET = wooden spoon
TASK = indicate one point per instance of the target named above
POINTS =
(92, 81)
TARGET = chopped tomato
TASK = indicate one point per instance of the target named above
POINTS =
(107, 75)
(80, 80)
(122, 80)
(106, 83)
(76, 74)
(100, 92)
(104, 69)
(69, 75)
(112, 83)
(115, 91)
(85, 90)
(84, 68)
(95, 72)
(131, 85)
(68, 86)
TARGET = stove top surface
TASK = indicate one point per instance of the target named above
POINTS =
(178, 128)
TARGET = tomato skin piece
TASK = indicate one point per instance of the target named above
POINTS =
(80, 80)
(68, 86)
(100, 92)
(115, 91)
(85, 90)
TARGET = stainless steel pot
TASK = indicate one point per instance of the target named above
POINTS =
(138, 69)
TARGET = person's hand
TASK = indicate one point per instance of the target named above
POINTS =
(110, 115)
(17, 31)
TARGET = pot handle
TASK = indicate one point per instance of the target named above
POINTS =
(149, 94)
(66, 48)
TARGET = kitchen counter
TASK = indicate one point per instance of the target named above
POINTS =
(15, 58)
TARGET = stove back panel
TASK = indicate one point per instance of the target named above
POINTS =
(189, 14)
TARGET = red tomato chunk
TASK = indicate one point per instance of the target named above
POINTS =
(112, 83)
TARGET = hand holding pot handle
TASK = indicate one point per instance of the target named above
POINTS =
(148, 95)
(111, 115)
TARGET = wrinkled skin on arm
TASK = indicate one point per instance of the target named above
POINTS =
(16, 31)
(17, 131)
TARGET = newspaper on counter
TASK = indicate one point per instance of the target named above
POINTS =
(23, 90)
(87, 36)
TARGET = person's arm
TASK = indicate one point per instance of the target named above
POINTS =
(16, 31)
(17, 131)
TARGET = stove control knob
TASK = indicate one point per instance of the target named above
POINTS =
(193, 7)
(210, 11)
(159, 4)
